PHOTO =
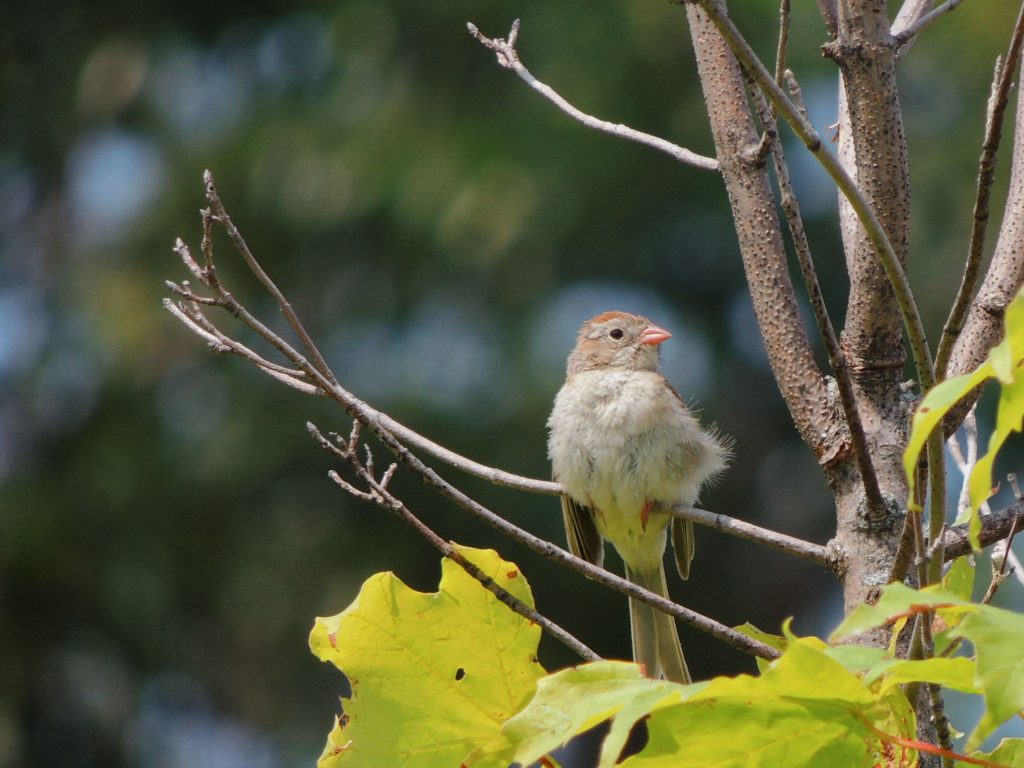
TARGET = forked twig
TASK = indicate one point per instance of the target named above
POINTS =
(508, 57)
(910, 31)
(283, 304)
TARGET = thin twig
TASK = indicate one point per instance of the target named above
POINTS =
(379, 494)
(999, 575)
(1008, 544)
(508, 57)
(782, 47)
(994, 526)
(283, 304)
(908, 33)
(909, 12)
(965, 462)
(816, 553)
(939, 719)
(1000, 95)
(221, 342)
(791, 209)
(904, 556)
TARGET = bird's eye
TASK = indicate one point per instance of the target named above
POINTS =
(615, 333)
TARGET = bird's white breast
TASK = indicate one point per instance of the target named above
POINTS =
(619, 439)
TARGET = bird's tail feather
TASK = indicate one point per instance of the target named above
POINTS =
(655, 640)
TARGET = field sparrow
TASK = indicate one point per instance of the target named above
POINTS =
(624, 445)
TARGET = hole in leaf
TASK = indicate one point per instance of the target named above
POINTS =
(460, 673)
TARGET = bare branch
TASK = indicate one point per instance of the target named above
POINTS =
(186, 257)
(351, 489)
(905, 34)
(936, 506)
(790, 354)
(994, 526)
(508, 57)
(965, 461)
(829, 15)
(909, 13)
(286, 308)
(837, 359)
(1001, 84)
(185, 291)
(219, 342)
(816, 553)
(781, 48)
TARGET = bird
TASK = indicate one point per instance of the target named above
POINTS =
(625, 448)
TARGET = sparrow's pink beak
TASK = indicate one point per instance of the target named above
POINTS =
(652, 334)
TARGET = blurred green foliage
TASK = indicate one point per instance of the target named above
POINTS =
(167, 531)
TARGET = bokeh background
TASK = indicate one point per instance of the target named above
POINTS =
(167, 530)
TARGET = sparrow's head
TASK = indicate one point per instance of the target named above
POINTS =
(617, 340)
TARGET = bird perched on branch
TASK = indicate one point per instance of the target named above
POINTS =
(625, 447)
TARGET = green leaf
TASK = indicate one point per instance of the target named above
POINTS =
(1006, 357)
(805, 710)
(897, 600)
(957, 673)
(1009, 752)
(574, 700)
(878, 665)
(857, 658)
(737, 733)
(929, 415)
(1004, 362)
(959, 579)
(998, 639)
(1008, 421)
(432, 675)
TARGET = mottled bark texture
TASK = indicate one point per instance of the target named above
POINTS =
(873, 342)
(873, 149)
(802, 384)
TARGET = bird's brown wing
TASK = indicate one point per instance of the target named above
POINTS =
(584, 540)
(682, 530)
(675, 392)
(682, 545)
